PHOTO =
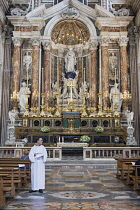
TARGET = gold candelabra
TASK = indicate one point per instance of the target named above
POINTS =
(15, 95)
(108, 111)
(126, 95)
(34, 110)
(100, 113)
(116, 113)
(42, 113)
(26, 113)
(92, 111)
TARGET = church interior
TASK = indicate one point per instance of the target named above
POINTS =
(69, 74)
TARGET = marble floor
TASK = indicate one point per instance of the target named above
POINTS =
(79, 185)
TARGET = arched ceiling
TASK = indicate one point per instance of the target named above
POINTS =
(70, 32)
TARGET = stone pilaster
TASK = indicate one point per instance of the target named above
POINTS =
(35, 72)
(93, 76)
(105, 72)
(47, 71)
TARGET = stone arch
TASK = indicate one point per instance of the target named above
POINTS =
(50, 25)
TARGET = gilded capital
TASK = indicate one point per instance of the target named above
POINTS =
(123, 41)
(17, 41)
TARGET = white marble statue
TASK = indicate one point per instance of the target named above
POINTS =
(13, 115)
(56, 88)
(113, 61)
(83, 88)
(130, 140)
(27, 59)
(116, 97)
(70, 61)
(129, 116)
(22, 96)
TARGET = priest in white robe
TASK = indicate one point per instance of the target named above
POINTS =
(38, 157)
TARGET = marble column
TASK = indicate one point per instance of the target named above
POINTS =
(16, 68)
(80, 71)
(124, 66)
(93, 75)
(35, 72)
(60, 70)
(105, 72)
(47, 71)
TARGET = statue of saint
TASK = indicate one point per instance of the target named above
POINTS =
(129, 116)
(13, 115)
(27, 59)
(116, 97)
(113, 60)
(22, 96)
(70, 61)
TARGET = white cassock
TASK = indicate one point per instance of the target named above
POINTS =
(38, 167)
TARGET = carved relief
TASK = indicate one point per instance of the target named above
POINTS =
(70, 13)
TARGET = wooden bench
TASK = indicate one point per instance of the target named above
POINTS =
(12, 176)
(135, 178)
(13, 161)
(121, 166)
(3, 190)
(129, 172)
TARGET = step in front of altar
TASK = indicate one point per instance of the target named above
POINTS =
(72, 144)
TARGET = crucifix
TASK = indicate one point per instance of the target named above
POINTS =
(71, 85)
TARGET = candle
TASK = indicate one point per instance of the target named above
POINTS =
(42, 80)
(27, 78)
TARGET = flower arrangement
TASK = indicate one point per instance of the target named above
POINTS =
(99, 129)
(45, 129)
(84, 139)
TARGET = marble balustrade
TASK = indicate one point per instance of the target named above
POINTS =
(89, 153)
(54, 153)
(110, 152)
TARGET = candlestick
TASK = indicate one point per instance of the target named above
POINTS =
(27, 77)
(84, 75)
(42, 80)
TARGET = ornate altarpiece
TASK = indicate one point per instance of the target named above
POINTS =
(73, 68)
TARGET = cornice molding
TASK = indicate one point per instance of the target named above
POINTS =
(116, 21)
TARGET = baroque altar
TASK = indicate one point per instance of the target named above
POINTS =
(69, 73)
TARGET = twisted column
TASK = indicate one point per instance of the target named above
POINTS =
(35, 72)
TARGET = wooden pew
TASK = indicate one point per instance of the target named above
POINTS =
(12, 177)
(11, 162)
(3, 190)
(121, 166)
(135, 177)
(125, 170)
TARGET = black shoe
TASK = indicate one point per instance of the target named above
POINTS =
(40, 191)
(31, 191)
